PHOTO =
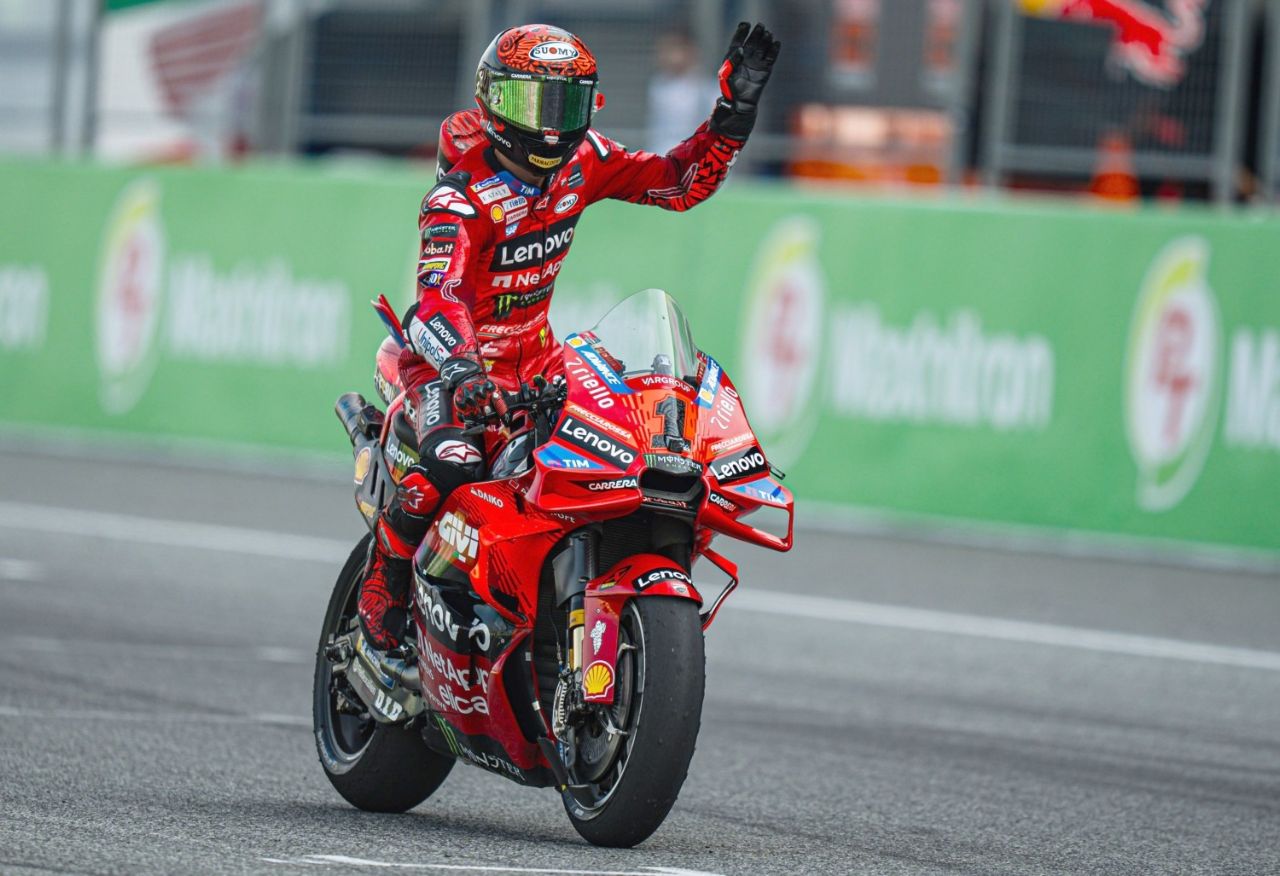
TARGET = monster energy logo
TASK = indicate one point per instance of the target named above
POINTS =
(508, 301)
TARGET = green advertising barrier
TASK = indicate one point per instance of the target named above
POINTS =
(1051, 368)
(228, 308)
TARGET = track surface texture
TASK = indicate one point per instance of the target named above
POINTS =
(873, 705)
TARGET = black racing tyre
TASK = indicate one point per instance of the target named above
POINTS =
(632, 781)
(375, 767)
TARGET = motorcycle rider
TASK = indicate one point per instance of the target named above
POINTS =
(514, 177)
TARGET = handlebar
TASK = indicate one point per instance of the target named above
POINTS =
(537, 397)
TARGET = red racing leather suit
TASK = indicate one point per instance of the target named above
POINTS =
(492, 246)
(491, 249)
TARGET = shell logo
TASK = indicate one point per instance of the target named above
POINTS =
(1173, 376)
(130, 272)
(782, 344)
(364, 459)
(598, 679)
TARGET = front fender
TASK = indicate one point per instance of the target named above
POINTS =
(640, 575)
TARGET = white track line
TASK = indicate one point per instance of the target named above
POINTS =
(171, 533)
(147, 650)
(252, 542)
(265, 718)
(346, 861)
(20, 570)
(924, 620)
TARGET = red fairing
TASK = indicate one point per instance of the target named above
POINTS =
(386, 373)
(640, 575)
(480, 567)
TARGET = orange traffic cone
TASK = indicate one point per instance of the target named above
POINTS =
(1114, 179)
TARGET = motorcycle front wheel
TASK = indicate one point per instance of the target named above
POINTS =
(631, 758)
(375, 767)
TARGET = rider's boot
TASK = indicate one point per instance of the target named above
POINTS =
(384, 594)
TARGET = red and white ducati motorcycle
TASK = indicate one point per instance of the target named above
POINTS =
(557, 632)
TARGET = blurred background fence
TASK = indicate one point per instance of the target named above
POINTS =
(1117, 98)
(948, 361)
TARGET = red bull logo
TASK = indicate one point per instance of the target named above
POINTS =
(1150, 43)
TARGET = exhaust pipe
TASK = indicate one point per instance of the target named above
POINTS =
(359, 418)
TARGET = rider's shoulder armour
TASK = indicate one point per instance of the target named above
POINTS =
(449, 195)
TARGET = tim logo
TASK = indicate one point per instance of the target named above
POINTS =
(1149, 42)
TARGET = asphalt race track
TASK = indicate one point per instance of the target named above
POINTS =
(873, 706)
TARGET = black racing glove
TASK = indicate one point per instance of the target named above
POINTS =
(473, 392)
(743, 75)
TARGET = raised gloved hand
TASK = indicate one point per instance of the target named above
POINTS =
(474, 394)
(743, 75)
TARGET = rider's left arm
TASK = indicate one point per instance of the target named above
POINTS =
(683, 178)
(694, 169)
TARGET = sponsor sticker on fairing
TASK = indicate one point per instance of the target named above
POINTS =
(596, 420)
(724, 445)
(598, 679)
(722, 503)
(745, 464)
(597, 363)
(555, 456)
(454, 531)
(710, 384)
(673, 462)
(579, 434)
(610, 486)
(659, 575)
(762, 490)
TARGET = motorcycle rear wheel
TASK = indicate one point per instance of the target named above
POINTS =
(659, 690)
(375, 767)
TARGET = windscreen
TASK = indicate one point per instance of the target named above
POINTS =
(648, 333)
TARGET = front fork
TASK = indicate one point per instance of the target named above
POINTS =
(575, 568)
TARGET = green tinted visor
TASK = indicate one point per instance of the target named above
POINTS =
(539, 105)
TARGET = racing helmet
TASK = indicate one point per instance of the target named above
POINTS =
(537, 88)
